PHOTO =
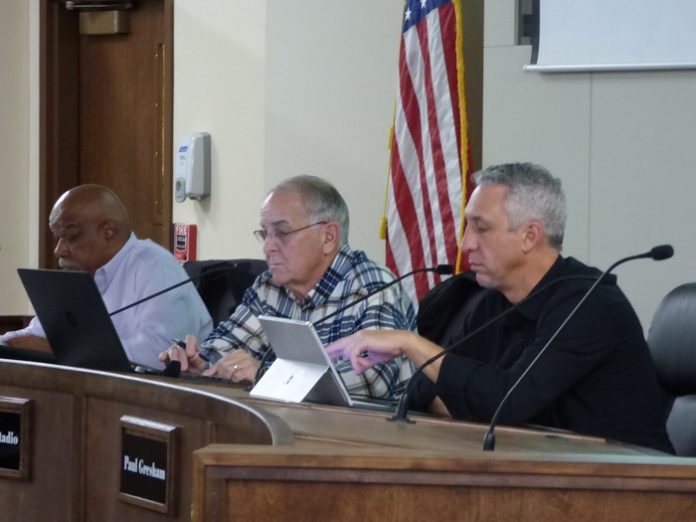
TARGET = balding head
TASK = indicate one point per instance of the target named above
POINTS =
(90, 224)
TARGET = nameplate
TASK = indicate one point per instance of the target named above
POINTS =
(148, 464)
(15, 437)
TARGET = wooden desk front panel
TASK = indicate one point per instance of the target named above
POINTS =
(102, 458)
(345, 500)
(76, 445)
(346, 484)
(55, 453)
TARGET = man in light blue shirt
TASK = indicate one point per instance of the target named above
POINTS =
(94, 234)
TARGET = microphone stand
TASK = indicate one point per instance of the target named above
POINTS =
(440, 269)
(172, 287)
(173, 368)
(401, 411)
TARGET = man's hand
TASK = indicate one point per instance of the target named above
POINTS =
(236, 366)
(30, 342)
(189, 357)
(366, 348)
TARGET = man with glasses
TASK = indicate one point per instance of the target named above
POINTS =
(312, 272)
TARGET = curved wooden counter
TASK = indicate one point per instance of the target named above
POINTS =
(250, 459)
(75, 439)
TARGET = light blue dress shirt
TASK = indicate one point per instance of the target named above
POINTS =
(139, 269)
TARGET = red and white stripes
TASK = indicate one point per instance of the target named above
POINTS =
(426, 191)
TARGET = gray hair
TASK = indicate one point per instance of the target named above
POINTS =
(533, 195)
(321, 199)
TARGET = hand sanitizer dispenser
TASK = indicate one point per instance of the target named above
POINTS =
(192, 169)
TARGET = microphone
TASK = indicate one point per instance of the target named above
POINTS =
(173, 368)
(401, 411)
(212, 270)
(658, 253)
(439, 269)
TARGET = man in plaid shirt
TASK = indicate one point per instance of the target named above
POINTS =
(312, 272)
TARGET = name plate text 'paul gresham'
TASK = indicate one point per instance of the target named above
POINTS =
(148, 463)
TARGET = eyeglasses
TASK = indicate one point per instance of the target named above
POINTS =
(281, 235)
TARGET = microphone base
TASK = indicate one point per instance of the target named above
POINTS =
(401, 411)
(400, 418)
(489, 442)
(172, 369)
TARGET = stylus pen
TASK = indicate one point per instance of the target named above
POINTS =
(182, 344)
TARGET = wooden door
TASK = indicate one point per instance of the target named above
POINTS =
(106, 114)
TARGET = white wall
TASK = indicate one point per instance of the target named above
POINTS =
(308, 87)
(623, 144)
(331, 79)
(219, 55)
(285, 89)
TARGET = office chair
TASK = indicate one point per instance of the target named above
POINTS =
(443, 310)
(441, 318)
(222, 283)
(672, 342)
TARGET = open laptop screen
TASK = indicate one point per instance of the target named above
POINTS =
(75, 319)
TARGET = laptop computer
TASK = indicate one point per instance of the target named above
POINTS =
(74, 317)
(302, 370)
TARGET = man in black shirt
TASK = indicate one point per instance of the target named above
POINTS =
(595, 378)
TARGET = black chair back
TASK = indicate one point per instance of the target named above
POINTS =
(222, 283)
(672, 342)
(443, 310)
(441, 318)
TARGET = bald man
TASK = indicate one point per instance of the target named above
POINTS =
(93, 234)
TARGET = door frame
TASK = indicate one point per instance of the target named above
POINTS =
(58, 114)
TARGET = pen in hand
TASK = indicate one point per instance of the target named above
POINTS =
(182, 344)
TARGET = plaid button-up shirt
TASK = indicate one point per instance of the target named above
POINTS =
(350, 276)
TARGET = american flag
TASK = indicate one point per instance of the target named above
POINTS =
(429, 149)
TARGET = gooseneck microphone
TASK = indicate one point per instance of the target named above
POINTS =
(657, 253)
(211, 271)
(173, 368)
(439, 269)
(401, 411)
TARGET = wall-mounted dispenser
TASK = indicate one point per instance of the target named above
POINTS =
(192, 169)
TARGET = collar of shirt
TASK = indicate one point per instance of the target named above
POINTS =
(105, 274)
(531, 309)
(581, 279)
